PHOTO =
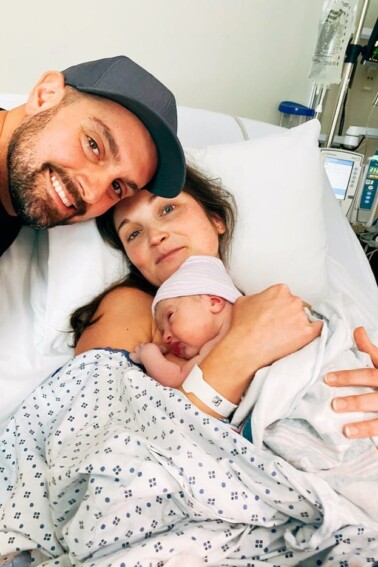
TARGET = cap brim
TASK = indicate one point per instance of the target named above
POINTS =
(169, 177)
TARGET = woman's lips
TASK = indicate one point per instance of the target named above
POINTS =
(166, 255)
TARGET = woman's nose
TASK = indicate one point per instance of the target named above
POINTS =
(157, 235)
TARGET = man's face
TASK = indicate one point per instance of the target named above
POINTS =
(76, 160)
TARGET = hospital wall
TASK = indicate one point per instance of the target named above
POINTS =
(237, 56)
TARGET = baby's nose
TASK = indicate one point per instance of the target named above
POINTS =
(167, 336)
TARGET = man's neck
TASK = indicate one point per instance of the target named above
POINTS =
(6, 129)
(3, 114)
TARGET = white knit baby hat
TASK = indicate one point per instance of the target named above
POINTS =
(198, 275)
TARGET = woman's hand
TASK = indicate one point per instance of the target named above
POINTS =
(359, 377)
(272, 324)
(264, 327)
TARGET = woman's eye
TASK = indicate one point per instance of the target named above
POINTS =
(167, 209)
(117, 188)
(93, 146)
(133, 235)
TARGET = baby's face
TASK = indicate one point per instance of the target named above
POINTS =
(186, 324)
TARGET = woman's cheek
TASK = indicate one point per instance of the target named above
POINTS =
(138, 257)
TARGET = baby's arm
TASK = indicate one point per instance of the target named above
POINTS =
(164, 371)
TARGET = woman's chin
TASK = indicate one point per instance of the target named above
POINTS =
(170, 264)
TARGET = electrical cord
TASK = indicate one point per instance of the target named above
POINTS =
(370, 254)
(363, 141)
(360, 142)
(242, 127)
(370, 238)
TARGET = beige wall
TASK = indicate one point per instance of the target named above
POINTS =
(236, 56)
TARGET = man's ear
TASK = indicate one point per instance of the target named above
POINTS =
(47, 93)
(216, 303)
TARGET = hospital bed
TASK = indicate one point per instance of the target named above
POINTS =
(290, 229)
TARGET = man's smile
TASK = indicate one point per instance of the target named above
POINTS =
(61, 191)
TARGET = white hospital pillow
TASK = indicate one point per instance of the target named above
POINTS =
(80, 266)
(44, 276)
(280, 234)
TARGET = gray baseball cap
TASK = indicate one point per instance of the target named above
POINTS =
(125, 82)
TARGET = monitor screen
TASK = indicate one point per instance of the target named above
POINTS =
(338, 171)
(370, 51)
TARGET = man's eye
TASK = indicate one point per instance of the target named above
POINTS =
(93, 146)
(117, 188)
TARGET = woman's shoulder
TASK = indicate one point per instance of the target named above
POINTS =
(125, 298)
(122, 320)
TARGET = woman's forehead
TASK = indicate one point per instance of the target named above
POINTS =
(142, 199)
(133, 203)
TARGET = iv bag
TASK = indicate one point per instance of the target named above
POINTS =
(335, 30)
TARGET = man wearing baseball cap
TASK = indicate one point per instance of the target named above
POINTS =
(86, 138)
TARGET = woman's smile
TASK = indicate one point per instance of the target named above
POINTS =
(168, 255)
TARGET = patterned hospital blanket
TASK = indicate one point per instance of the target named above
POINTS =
(101, 466)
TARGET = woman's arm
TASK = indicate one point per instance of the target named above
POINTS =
(123, 320)
(264, 328)
(359, 377)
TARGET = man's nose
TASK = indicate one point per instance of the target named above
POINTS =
(94, 185)
(93, 191)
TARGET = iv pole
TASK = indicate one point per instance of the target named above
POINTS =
(353, 51)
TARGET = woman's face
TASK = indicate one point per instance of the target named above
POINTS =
(159, 234)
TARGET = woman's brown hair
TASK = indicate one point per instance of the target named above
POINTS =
(215, 201)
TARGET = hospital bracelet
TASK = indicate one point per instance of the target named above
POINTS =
(195, 384)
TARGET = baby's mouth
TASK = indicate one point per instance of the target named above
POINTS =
(175, 348)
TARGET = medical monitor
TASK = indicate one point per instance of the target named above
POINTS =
(338, 171)
(344, 170)
(370, 51)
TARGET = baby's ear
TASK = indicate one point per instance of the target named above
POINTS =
(216, 303)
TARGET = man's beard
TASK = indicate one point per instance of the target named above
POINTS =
(27, 182)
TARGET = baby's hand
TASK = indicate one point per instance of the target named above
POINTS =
(135, 355)
(146, 350)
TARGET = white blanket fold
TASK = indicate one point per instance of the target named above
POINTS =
(289, 406)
